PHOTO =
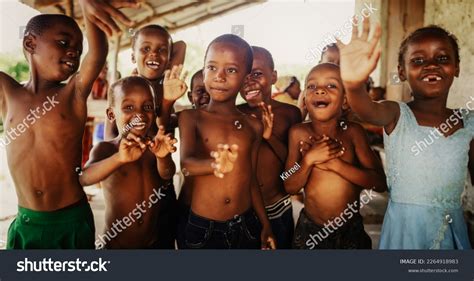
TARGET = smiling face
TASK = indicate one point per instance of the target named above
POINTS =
(56, 52)
(133, 109)
(224, 71)
(198, 95)
(429, 66)
(151, 52)
(324, 93)
(258, 86)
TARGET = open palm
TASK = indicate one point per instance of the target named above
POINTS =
(174, 86)
(359, 57)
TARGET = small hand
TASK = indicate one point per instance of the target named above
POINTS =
(131, 148)
(268, 239)
(104, 13)
(322, 150)
(330, 165)
(359, 58)
(174, 86)
(267, 120)
(162, 144)
(225, 157)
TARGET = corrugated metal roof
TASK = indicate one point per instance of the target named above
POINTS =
(173, 15)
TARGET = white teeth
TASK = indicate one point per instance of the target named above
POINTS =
(70, 64)
(153, 64)
(139, 125)
(432, 78)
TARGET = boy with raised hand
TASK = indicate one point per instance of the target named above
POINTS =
(50, 115)
(277, 119)
(226, 207)
(132, 168)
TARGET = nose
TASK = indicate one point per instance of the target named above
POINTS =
(431, 64)
(73, 53)
(320, 91)
(220, 76)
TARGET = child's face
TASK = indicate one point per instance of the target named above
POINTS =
(430, 66)
(258, 86)
(199, 97)
(56, 52)
(224, 71)
(134, 110)
(151, 53)
(294, 90)
(324, 93)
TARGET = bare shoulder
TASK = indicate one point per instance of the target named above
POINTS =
(354, 131)
(187, 114)
(6, 81)
(299, 130)
(287, 111)
(102, 150)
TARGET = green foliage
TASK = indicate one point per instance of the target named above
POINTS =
(15, 66)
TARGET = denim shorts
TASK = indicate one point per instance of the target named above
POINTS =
(350, 235)
(241, 232)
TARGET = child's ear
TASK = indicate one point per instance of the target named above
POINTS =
(29, 43)
(401, 73)
(133, 58)
(274, 77)
(345, 105)
(110, 114)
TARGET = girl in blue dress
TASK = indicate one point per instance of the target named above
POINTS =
(429, 147)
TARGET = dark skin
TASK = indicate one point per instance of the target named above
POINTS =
(336, 163)
(277, 118)
(153, 54)
(131, 167)
(198, 95)
(54, 139)
(221, 158)
(429, 66)
(200, 99)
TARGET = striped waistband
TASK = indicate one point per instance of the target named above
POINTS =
(278, 208)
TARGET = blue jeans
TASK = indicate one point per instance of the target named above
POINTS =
(241, 232)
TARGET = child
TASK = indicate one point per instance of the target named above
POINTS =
(153, 51)
(424, 210)
(226, 199)
(277, 118)
(333, 164)
(289, 90)
(129, 167)
(198, 96)
(53, 211)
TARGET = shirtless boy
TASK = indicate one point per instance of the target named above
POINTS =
(219, 148)
(131, 168)
(333, 164)
(50, 115)
(277, 118)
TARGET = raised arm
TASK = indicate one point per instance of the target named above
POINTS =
(174, 87)
(358, 59)
(99, 19)
(368, 173)
(162, 146)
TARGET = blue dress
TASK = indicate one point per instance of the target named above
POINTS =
(426, 177)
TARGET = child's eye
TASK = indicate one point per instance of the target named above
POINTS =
(148, 107)
(442, 59)
(211, 67)
(418, 61)
(163, 50)
(256, 74)
(311, 87)
(128, 108)
(331, 86)
(145, 49)
(232, 70)
(63, 43)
